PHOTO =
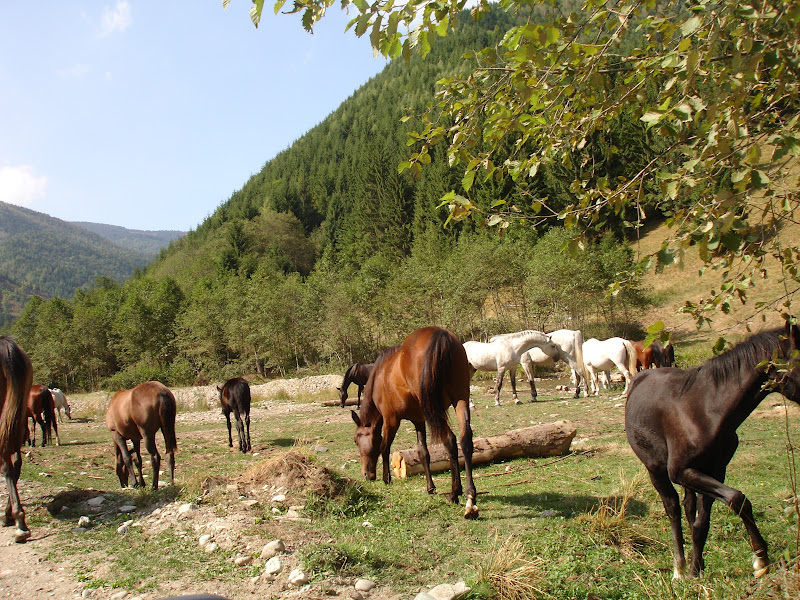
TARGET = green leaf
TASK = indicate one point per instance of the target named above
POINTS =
(691, 25)
(468, 180)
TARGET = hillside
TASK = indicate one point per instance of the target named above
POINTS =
(149, 243)
(49, 257)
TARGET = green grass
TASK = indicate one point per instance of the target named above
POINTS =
(609, 535)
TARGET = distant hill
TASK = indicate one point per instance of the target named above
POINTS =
(49, 257)
(147, 242)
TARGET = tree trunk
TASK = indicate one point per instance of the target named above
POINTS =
(550, 439)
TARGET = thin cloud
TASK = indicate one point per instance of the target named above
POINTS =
(117, 18)
(73, 72)
(20, 186)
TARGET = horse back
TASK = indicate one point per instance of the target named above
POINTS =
(235, 394)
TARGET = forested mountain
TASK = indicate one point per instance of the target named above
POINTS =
(49, 257)
(150, 243)
(329, 254)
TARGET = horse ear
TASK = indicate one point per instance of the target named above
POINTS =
(356, 418)
(219, 389)
(793, 333)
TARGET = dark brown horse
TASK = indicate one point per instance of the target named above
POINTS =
(138, 414)
(357, 373)
(234, 397)
(682, 426)
(419, 381)
(16, 377)
(654, 355)
(41, 408)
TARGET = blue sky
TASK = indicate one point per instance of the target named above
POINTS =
(150, 114)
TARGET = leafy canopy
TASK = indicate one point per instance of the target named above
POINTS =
(716, 80)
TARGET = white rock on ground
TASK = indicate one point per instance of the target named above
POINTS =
(364, 585)
(272, 548)
(298, 578)
(240, 561)
(273, 566)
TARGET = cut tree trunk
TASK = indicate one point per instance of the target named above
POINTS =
(550, 439)
(348, 402)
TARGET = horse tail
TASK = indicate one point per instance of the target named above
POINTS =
(167, 410)
(578, 342)
(630, 363)
(437, 363)
(16, 373)
(49, 413)
(242, 395)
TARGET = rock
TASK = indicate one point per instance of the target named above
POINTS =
(86, 593)
(95, 502)
(319, 449)
(119, 595)
(79, 530)
(353, 595)
(241, 561)
(273, 566)
(446, 591)
(279, 498)
(127, 508)
(184, 509)
(83, 521)
(364, 585)
(125, 526)
(254, 580)
(272, 548)
(204, 539)
(250, 503)
(298, 578)
(211, 547)
(548, 513)
(460, 587)
(424, 596)
(292, 514)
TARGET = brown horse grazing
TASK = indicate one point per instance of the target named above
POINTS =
(234, 396)
(682, 426)
(654, 356)
(139, 413)
(16, 377)
(419, 381)
(357, 373)
(41, 408)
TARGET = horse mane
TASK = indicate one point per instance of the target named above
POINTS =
(369, 413)
(515, 335)
(348, 375)
(743, 357)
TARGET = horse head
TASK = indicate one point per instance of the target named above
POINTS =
(788, 382)
(342, 394)
(368, 440)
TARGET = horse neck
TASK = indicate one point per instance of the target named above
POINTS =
(527, 340)
(737, 399)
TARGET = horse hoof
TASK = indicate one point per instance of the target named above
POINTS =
(21, 536)
(760, 567)
(471, 512)
(517, 401)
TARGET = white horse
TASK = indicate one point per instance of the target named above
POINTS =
(502, 353)
(569, 348)
(61, 402)
(613, 353)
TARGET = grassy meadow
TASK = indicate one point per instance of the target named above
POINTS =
(586, 525)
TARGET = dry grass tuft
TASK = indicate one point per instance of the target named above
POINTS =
(510, 574)
(295, 471)
(609, 523)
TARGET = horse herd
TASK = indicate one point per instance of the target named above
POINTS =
(680, 423)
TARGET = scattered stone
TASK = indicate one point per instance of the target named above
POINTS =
(204, 539)
(241, 561)
(250, 503)
(187, 508)
(446, 591)
(86, 593)
(96, 501)
(548, 513)
(364, 585)
(354, 595)
(273, 566)
(211, 547)
(272, 548)
(319, 449)
(127, 508)
(119, 595)
(83, 521)
(279, 498)
(424, 596)
(125, 526)
(298, 578)
(254, 580)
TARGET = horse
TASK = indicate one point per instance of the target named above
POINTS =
(139, 413)
(357, 373)
(645, 358)
(503, 353)
(61, 402)
(682, 426)
(16, 377)
(418, 381)
(608, 354)
(567, 346)
(234, 396)
(41, 409)
(664, 355)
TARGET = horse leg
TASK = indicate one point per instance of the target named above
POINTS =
(58, 437)
(700, 526)
(498, 383)
(155, 457)
(124, 464)
(455, 478)
(39, 419)
(240, 431)
(247, 426)
(137, 459)
(360, 389)
(424, 455)
(738, 503)
(389, 431)
(10, 468)
(228, 421)
(512, 375)
(671, 502)
(465, 435)
(530, 373)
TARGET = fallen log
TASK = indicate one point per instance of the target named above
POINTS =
(550, 439)
(348, 402)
